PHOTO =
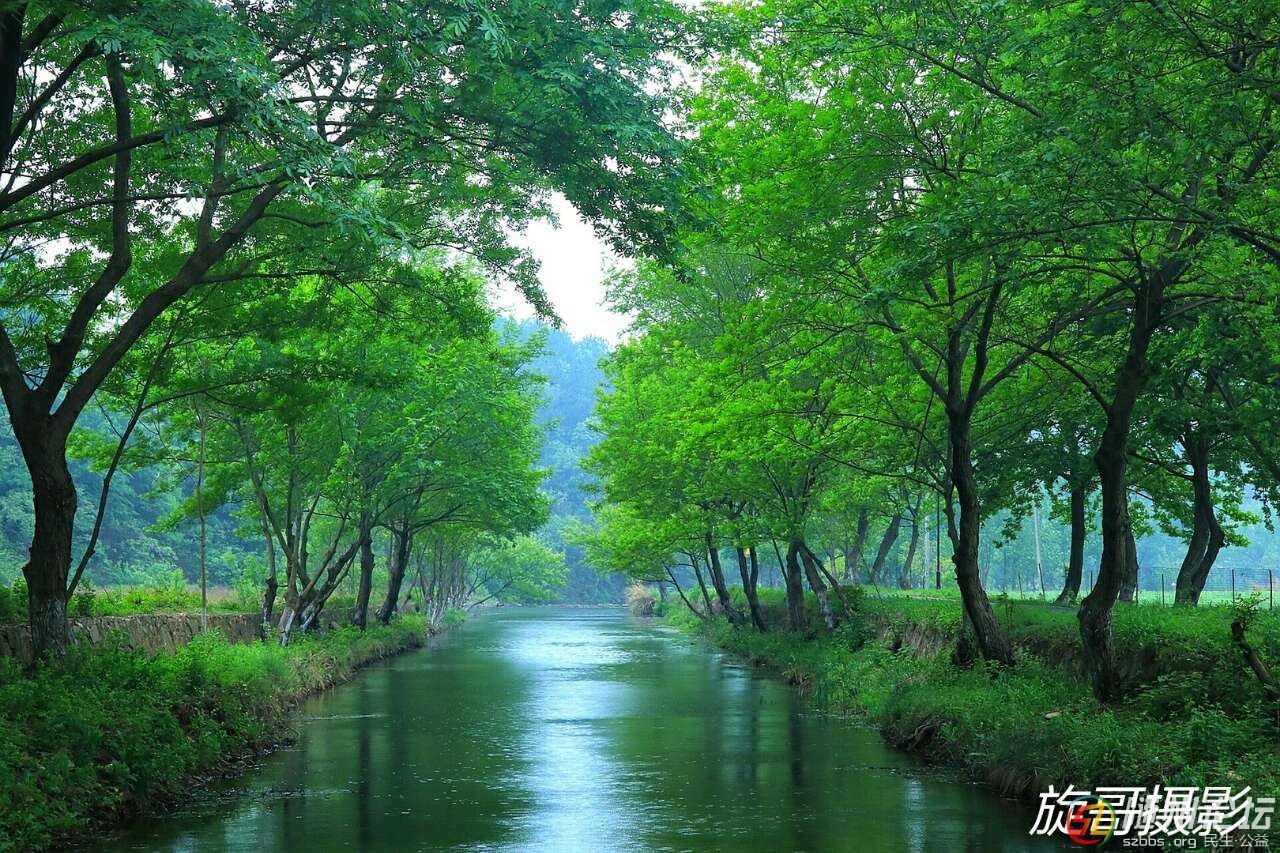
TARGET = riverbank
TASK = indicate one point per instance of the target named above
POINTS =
(109, 732)
(1195, 716)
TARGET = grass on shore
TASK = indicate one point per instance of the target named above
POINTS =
(107, 732)
(1194, 716)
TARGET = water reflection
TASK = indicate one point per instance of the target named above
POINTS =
(582, 730)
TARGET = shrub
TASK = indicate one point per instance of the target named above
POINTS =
(18, 600)
(641, 600)
(1196, 717)
(82, 603)
(12, 609)
(452, 618)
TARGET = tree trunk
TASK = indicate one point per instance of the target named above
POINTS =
(977, 607)
(1095, 610)
(1075, 562)
(717, 581)
(818, 586)
(54, 500)
(396, 566)
(360, 614)
(749, 588)
(289, 615)
(886, 545)
(1095, 613)
(702, 584)
(1129, 584)
(1208, 537)
(271, 586)
(317, 594)
(795, 588)
(904, 580)
(1111, 460)
(853, 557)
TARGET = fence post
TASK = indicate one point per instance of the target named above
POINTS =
(1233, 584)
(1162, 589)
(1091, 581)
(1271, 590)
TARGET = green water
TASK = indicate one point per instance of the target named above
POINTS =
(581, 730)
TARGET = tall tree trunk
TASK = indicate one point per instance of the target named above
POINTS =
(1129, 584)
(1207, 537)
(795, 588)
(360, 613)
(11, 59)
(1217, 539)
(1096, 608)
(289, 614)
(324, 585)
(1111, 460)
(396, 567)
(717, 580)
(986, 630)
(749, 588)
(853, 556)
(818, 586)
(271, 586)
(702, 584)
(904, 580)
(1075, 561)
(886, 545)
(54, 499)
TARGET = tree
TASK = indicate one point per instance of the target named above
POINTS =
(196, 124)
(1073, 216)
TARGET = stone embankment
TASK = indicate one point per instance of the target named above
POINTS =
(152, 633)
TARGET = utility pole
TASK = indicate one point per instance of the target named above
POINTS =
(204, 576)
(1035, 527)
(937, 551)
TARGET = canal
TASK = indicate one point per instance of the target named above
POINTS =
(569, 729)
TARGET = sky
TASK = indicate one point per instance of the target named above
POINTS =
(573, 264)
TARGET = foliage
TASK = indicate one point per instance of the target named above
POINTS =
(573, 371)
(453, 617)
(106, 732)
(525, 571)
(1196, 721)
(985, 256)
(221, 185)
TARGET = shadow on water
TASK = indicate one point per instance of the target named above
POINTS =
(581, 730)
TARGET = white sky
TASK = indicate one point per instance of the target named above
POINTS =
(573, 263)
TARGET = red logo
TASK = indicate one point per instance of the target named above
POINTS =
(1090, 820)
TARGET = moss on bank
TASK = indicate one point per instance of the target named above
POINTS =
(1194, 716)
(108, 732)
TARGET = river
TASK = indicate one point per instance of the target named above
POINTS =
(572, 729)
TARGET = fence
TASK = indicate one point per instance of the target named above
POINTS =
(1157, 585)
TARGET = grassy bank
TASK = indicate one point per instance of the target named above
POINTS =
(108, 732)
(1194, 715)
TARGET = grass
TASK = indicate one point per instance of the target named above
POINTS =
(1194, 714)
(169, 596)
(108, 732)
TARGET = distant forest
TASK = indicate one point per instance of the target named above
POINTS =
(573, 372)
